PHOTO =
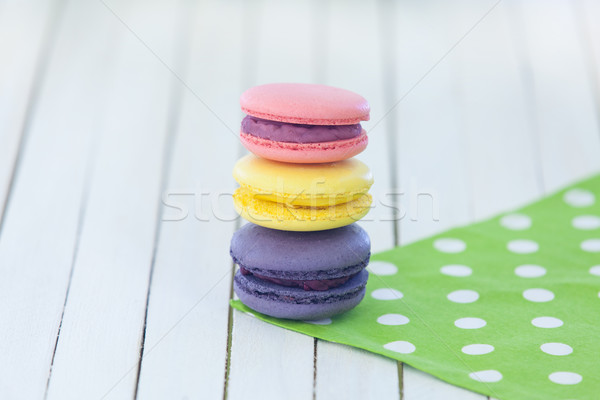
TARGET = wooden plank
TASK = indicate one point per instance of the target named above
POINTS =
(26, 29)
(502, 146)
(564, 108)
(99, 343)
(498, 136)
(266, 361)
(587, 14)
(41, 225)
(422, 386)
(352, 58)
(186, 333)
(483, 54)
(432, 146)
(359, 372)
(282, 361)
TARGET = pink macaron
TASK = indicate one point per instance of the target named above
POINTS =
(303, 123)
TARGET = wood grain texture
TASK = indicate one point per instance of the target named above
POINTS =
(496, 114)
(269, 362)
(560, 84)
(41, 225)
(587, 13)
(432, 144)
(359, 373)
(27, 30)
(186, 333)
(99, 343)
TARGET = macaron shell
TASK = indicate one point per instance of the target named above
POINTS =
(295, 303)
(305, 153)
(315, 185)
(303, 103)
(290, 218)
(294, 255)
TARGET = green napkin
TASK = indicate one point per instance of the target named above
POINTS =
(508, 307)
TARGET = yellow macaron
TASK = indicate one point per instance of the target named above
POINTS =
(314, 185)
(302, 197)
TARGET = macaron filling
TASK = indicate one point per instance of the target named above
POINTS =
(267, 290)
(298, 133)
(318, 284)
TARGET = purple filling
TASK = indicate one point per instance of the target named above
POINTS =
(322, 284)
(297, 133)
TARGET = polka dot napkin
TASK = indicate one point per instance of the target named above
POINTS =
(509, 307)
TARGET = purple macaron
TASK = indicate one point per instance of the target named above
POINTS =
(300, 275)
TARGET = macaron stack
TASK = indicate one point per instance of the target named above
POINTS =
(302, 256)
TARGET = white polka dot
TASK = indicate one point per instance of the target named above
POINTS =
(530, 271)
(469, 323)
(393, 319)
(546, 322)
(565, 378)
(595, 270)
(477, 349)
(586, 222)
(490, 375)
(382, 268)
(591, 245)
(463, 296)
(538, 295)
(325, 321)
(556, 349)
(579, 198)
(400, 346)
(456, 270)
(449, 245)
(516, 222)
(522, 246)
(386, 294)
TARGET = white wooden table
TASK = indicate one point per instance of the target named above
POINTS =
(118, 123)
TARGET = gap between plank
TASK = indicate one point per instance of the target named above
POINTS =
(247, 79)
(400, 380)
(172, 126)
(80, 219)
(88, 176)
(314, 392)
(320, 39)
(389, 82)
(40, 71)
(418, 82)
(583, 32)
(520, 44)
(390, 93)
(229, 332)
(167, 158)
(321, 10)
(237, 225)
